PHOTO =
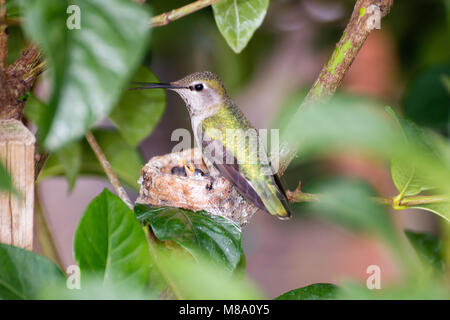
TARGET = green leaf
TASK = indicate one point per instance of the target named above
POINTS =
(428, 248)
(406, 179)
(88, 67)
(35, 111)
(238, 20)
(192, 280)
(419, 288)
(93, 288)
(24, 273)
(200, 234)
(110, 243)
(441, 209)
(350, 203)
(139, 111)
(317, 291)
(124, 159)
(70, 158)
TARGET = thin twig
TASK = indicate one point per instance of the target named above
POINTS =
(11, 21)
(167, 17)
(108, 169)
(410, 201)
(40, 158)
(364, 19)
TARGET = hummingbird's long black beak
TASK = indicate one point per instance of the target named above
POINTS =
(150, 85)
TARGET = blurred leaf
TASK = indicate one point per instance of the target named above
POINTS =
(350, 203)
(343, 123)
(12, 8)
(200, 234)
(289, 108)
(35, 110)
(317, 291)
(427, 102)
(199, 280)
(94, 288)
(441, 209)
(70, 158)
(89, 67)
(24, 273)
(139, 111)
(428, 248)
(5, 180)
(124, 159)
(405, 176)
(414, 289)
(237, 20)
(109, 242)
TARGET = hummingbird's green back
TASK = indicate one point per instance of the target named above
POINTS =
(249, 168)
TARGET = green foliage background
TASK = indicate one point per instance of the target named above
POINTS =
(181, 254)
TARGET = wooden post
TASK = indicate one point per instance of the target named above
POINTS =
(16, 211)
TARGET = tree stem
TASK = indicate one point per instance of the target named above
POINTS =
(167, 17)
(365, 18)
(410, 201)
(108, 169)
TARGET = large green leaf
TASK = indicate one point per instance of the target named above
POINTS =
(139, 111)
(23, 274)
(90, 66)
(125, 160)
(317, 291)
(200, 234)
(110, 243)
(238, 20)
(428, 248)
(77, 157)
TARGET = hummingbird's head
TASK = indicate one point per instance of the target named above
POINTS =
(203, 92)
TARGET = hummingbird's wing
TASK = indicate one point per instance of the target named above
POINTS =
(253, 190)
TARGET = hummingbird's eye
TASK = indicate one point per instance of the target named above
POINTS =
(198, 87)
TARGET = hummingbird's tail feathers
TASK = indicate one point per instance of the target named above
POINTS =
(283, 198)
(275, 201)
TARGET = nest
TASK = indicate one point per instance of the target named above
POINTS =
(181, 179)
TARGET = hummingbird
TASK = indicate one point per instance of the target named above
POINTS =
(234, 156)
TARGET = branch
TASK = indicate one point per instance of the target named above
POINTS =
(108, 169)
(298, 196)
(167, 17)
(362, 22)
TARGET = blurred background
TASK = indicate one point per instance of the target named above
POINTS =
(268, 80)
